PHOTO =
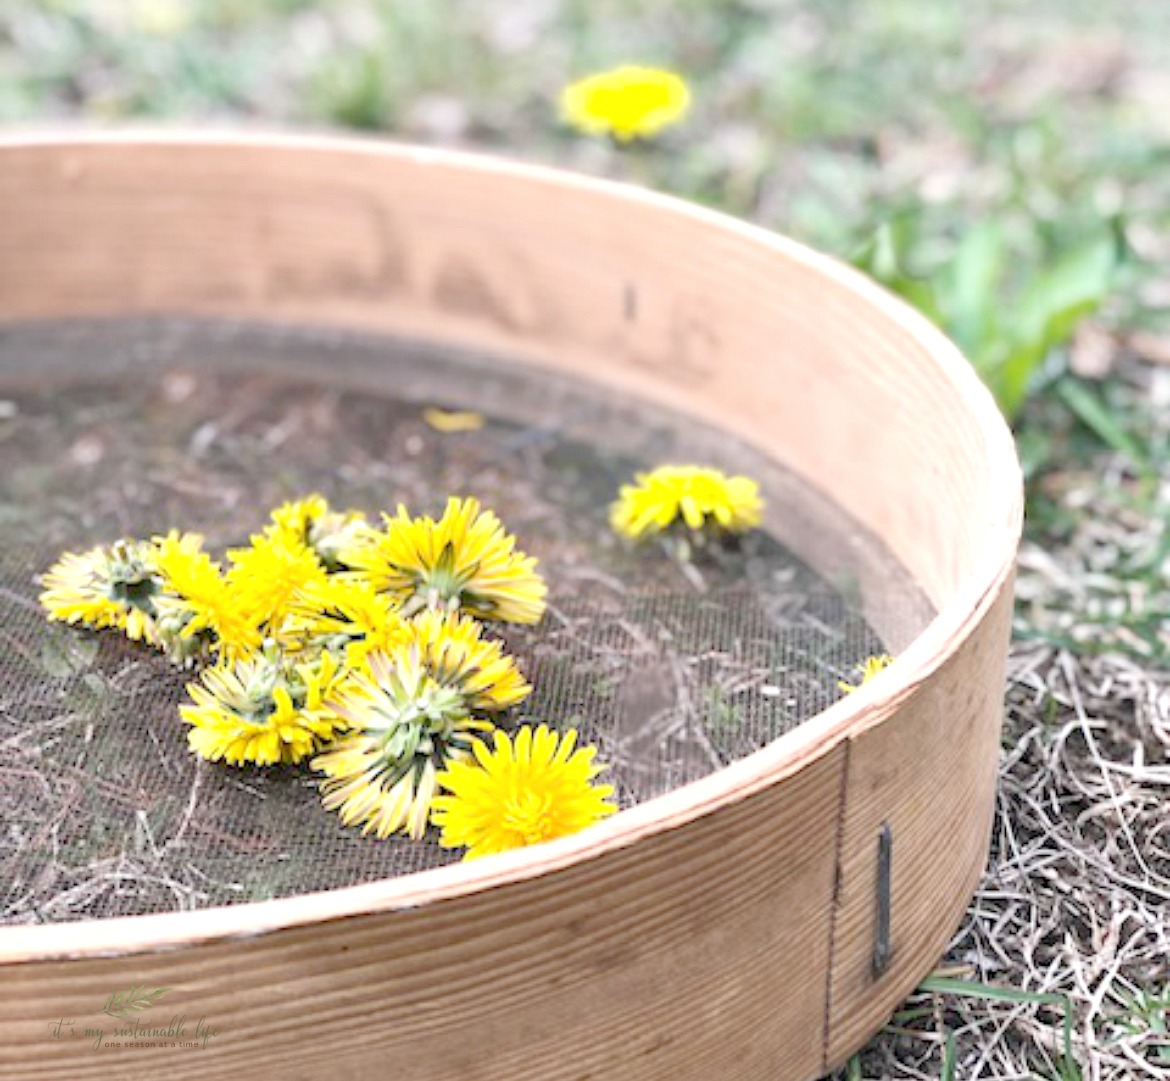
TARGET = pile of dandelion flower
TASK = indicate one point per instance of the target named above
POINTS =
(362, 650)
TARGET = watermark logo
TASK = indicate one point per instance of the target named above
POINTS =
(133, 1028)
(119, 1004)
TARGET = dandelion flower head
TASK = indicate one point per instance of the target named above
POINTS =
(627, 103)
(114, 586)
(524, 790)
(311, 523)
(266, 576)
(696, 496)
(409, 713)
(262, 709)
(466, 560)
(345, 616)
(198, 611)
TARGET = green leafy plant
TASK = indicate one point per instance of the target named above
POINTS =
(1009, 298)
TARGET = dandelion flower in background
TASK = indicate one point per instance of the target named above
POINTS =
(199, 614)
(696, 496)
(157, 18)
(867, 669)
(347, 617)
(626, 103)
(531, 788)
(115, 586)
(262, 709)
(466, 560)
(409, 713)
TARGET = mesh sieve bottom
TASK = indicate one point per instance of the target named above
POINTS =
(112, 428)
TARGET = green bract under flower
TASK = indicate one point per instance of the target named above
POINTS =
(263, 709)
(408, 714)
(465, 561)
(112, 587)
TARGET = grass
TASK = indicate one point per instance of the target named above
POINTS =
(1004, 165)
(1069, 920)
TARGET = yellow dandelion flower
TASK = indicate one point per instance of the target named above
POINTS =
(310, 523)
(266, 577)
(198, 612)
(626, 103)
(383, 793)
(867, 669)
(348, 617)
(295, 519)
(412, 710)
(262, 709)
(454, 648)
(115, 586)
(444, 420)
(696, 495)
(533, 788)
(465, 560)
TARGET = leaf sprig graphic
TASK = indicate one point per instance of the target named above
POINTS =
(120, 1004)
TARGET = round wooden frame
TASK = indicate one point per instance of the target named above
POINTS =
(758, 925)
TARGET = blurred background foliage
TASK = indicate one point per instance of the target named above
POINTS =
(1003, 164)
(996, 162)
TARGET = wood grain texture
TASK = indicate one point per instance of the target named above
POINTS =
(721, 931)
(939, 834)
(683, 957)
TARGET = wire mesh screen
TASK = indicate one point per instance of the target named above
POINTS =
(130, 428)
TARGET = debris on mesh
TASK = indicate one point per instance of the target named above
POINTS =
(671, 663)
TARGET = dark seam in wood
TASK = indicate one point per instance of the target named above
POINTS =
(826, 1027)
(885, 856)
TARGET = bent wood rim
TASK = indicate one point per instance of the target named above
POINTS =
(848, 718)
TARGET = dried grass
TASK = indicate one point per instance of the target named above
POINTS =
(1076, 899)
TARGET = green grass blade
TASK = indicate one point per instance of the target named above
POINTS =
(1096, 416)
(946, 985)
